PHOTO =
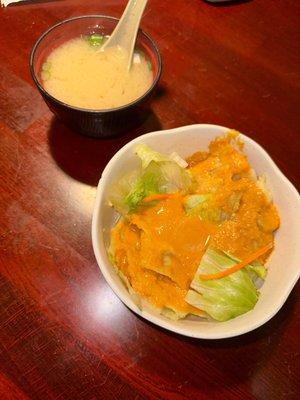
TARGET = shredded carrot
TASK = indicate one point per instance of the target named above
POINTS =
(161, 196)
(238, 266)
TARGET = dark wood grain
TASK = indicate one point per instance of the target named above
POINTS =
(63, 333)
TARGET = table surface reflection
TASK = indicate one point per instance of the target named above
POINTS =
(63, 332)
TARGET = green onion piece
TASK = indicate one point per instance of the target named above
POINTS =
(46, 66)
(46, 75)
(96, 39)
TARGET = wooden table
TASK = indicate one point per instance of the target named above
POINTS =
(63, 333)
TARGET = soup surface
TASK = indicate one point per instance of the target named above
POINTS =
(79, 73)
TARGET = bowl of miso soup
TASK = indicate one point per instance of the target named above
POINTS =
(90, 89)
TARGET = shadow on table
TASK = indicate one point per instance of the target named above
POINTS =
(29, 2)
(84, 158)
(270, 331)
(238, 358)
(228, 3)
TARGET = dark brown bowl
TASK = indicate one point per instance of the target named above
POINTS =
(95, 123)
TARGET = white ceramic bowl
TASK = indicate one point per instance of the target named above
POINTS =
(283, 265)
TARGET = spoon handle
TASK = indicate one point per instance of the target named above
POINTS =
(124, 34)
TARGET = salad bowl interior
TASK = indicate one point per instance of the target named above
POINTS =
(283, 264)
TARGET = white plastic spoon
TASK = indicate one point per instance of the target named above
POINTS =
(124, 34)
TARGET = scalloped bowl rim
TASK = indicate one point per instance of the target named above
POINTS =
(102, 222)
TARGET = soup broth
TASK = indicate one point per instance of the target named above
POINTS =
(83, 75)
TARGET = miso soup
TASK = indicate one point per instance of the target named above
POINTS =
(83, 75)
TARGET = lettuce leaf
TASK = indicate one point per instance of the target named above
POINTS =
(158, 173)
(146, 154)
(148, 183)
(223, 298)
(193, 201)
(203, 206)
(256, 269)
(120, 190)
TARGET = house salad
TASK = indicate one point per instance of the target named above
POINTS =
(193, 235)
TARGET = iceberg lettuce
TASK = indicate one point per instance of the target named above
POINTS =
(193, 201)
(256, 269)
(227, 297)
(158, 173)
(146, 154)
